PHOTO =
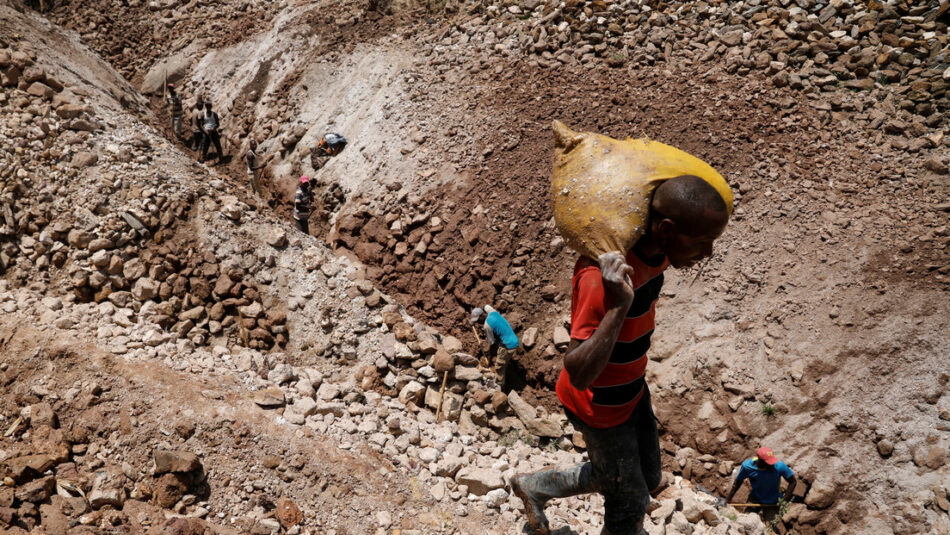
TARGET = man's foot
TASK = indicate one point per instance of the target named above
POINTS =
(533, 504)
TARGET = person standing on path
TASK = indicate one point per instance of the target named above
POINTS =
(197, 120)
(500, 337)
(602, 385)
(210, 123)
(303, 205)
(765, 473)
(254, 166)
(173, 100)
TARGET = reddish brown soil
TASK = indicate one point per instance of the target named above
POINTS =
(477, 260)
(131, 40)
(138, 407)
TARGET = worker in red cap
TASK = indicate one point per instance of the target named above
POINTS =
(765, 473)
(303, 205)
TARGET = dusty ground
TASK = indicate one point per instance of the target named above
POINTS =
(247, 458)
(826, 300)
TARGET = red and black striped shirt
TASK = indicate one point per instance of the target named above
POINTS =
(614, 394)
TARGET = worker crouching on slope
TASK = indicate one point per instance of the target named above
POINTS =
(500, 337)
(602, 383)
(765, 473)
(303, 205)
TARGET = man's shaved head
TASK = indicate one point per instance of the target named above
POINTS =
(691, 202)
(686, 216)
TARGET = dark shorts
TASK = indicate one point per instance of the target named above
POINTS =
(626, 466)
(303, 225)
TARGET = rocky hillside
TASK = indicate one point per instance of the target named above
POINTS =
(141, 336)
(819, 328)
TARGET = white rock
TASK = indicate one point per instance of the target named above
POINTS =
(328, 391)
(301, 408)
(530, 337)
(428, 455)
(145, 289)
(412, 392)
(449, 466)
(480, 480)
(495, 498)
(305, 388)
(282, 373)
(452, 344)
(438, 491)
(277, 237)
(664, 511)
(562, 338)
(53, 303)
(463, 373)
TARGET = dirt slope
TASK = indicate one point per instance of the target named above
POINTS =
(827, 300)
(177, 361)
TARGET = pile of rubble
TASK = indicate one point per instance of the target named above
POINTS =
(101, 247)
(61, 474)
(892, 49)
(54, 478)
(115, 239)
(148, 30)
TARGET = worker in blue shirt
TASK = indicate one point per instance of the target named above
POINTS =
(765, 473)
(500, 336)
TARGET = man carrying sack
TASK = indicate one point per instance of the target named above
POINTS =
(602, 385)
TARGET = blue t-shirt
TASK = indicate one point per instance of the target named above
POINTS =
(502, 329)
(765, 483)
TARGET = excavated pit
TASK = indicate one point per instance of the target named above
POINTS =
(797, 298)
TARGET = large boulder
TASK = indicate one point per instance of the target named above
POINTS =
(542, 427)
(172, 67)
(821, 494)
(175, 461)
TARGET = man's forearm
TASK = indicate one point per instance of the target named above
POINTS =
(585, 361)
(790, 489)
(732, 492)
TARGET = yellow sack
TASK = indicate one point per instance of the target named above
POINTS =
(602, 187)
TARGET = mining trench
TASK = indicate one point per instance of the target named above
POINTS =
(809, 266)
(494, 242)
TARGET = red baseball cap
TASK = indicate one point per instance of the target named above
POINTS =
(304, 179)
(766, 455)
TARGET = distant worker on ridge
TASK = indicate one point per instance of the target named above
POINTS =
(500, 336)
(765, 473)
